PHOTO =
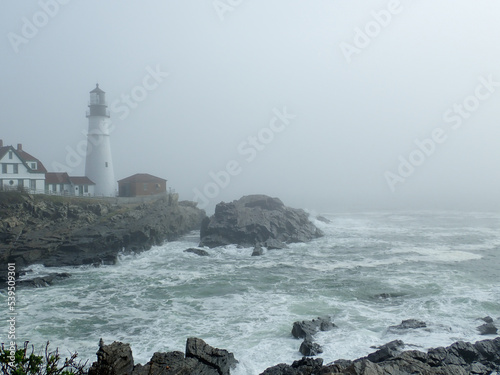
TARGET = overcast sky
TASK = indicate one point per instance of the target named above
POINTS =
(327, 104)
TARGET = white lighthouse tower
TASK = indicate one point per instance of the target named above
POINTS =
(99, 164)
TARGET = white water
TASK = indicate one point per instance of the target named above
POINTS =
(441, 268)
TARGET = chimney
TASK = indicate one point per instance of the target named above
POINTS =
(1, 142)
(19, 147)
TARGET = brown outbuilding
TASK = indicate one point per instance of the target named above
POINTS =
(141, 184)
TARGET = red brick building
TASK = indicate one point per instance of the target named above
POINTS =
(141, 184)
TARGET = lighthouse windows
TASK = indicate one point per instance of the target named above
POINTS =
(106, 164)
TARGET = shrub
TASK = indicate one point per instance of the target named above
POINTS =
(24, 361)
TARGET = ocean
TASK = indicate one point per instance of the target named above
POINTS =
(370, 271)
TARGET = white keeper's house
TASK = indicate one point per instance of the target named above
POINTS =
(22, 171)
(18, 169)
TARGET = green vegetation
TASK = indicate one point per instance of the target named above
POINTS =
(24, 361)
(11, 197)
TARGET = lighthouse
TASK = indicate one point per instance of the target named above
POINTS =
(98, 163)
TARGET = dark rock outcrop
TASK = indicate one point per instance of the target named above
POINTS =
(310, 348)
(305, 366)
(487, 329)
(386, 351)
(307, 328)
(323, 219)
(64, 231)
(409, 324)
(460, 358)
(257, 220)
(200, 359)
(114, 359)
(43, 281)
(200, 252)
(257, 251)
(220, 359)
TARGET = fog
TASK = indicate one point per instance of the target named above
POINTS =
(329, 105)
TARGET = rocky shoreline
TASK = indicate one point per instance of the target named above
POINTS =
(460, 358)
(64, 231)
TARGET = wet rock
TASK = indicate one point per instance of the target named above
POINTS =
(487, 329)
(200, 252)
(43, 281)
(307, 328)
(274, 244)
(220, 359)
(304, 366)
(409, 324)
(310, 348)
(323, 219)
(257, 251)
(200, 359)
(254, 220)
(487, 319)
(386, 351)
(114, 359)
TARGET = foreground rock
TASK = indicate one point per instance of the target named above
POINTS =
(306, 366)
(461, 358)
(257, 220)
(306, 329)
(43, 281)
(200, 359)
(61, 231)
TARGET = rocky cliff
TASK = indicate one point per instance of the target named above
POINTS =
(61, 231)
(257, 220)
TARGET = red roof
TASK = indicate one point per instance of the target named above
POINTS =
(25, 157)
(57, 178)
(142, 177)
(81, 181)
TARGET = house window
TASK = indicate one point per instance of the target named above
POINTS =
(85, 188)
(33, 184)
(61, 187)
(4, 168)
(16, 168)
(145, 186)
(33, 165)
(10, 154)
(20, 183)
(54, 187)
